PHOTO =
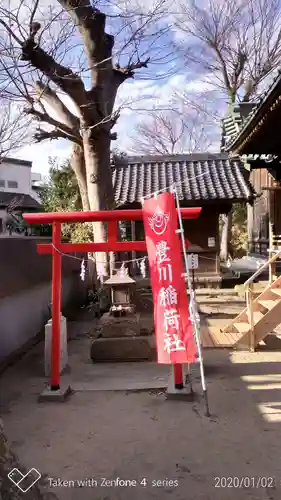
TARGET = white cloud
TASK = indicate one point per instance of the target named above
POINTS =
(39, 154)
(136, 98)
(139, 97)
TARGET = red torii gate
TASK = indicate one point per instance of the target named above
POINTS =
(57, 248)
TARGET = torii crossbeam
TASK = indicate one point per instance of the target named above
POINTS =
(57, 248)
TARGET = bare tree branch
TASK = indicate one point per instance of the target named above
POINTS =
(46, 118)
(40, 43)
(47, 95)
(63, 77)
(10, 31)
(41, 135)
(91, 25)
(14, 129)
(32, 27)
(129, 71)
(169, 133)
(238, 42)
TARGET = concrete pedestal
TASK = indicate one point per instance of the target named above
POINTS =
(184, 394)
(48, 346)
(180, 394)
(127, 338)
(59, 396)
(124, 349)
(124, 326)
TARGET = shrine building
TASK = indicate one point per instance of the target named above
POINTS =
(211, 181)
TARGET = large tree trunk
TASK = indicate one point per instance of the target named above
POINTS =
(98, 170)
(78, 165)
(100, 194)
(9, 461)
(91, 165)
(226, 234)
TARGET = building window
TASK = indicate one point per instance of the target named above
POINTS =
(12, 184)
(2, 183)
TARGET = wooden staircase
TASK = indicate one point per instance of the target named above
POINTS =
(261, 316)
(266, 316)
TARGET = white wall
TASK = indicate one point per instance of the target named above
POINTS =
(36, 180)
(19, 173)
(19, 326)
(35, 177)
(23, 175)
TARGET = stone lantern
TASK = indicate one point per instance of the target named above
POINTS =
(122, 288)
(120, 334)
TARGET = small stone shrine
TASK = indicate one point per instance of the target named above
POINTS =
(121, 336)
(122, 293)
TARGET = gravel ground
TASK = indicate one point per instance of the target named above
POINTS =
(166, 449)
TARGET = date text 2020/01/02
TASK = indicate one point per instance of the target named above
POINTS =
(244, 482)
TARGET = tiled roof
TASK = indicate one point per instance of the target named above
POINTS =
(16, 161)
(234, 122)
(261, 105)
(199, 177)
(23, 200)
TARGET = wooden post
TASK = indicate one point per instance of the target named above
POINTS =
(56, 306)
(272, 266)
(112, 236)
(133, 238)
(249, 300)
(193, 279)
(178, 376)
(217, 263)
(250, 226)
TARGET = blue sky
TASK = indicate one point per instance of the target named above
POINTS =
(162, 85)
(155, 87)
(135, 98)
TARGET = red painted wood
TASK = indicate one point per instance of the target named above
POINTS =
(178, 376)
(112, 231)
(56, 306)
(103, 216)
(111, 246)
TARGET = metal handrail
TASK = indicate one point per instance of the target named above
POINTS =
(262, 268)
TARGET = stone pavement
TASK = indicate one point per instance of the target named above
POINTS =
(164, 449)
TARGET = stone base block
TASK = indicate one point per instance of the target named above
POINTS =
(58, 396)
(124, 349)
(185, 394)
(48, 347)
(111, 327)
(180, 394)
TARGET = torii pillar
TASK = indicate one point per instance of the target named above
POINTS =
(58, 391)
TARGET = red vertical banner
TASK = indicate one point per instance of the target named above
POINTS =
(173, 327)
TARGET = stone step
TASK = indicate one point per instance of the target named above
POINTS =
(257, 288)
(142, 348)
(202, 292)
(224, 299)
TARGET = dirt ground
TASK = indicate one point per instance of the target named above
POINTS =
(166, 449)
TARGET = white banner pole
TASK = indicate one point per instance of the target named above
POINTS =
(193, 318)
